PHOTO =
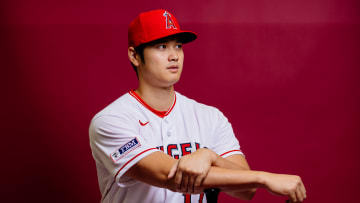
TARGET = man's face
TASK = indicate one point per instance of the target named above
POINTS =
(163, 63)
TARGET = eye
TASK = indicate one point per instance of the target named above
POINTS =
(179, 46)
(161, 46)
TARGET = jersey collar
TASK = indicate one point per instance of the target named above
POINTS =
(161, 114)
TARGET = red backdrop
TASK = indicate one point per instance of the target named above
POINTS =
(285, 73)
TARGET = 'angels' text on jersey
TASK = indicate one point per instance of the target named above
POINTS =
(179, 150)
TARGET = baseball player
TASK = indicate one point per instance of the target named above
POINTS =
(154, 144)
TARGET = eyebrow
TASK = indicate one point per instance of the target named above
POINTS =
(164, 40)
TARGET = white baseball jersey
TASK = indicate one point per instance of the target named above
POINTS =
(128, 130)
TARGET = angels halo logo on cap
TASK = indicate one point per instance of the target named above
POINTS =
(154, 25)
(169, 21)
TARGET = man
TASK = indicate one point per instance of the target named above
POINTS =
(155, 145)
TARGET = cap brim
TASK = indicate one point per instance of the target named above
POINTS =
(184, 36)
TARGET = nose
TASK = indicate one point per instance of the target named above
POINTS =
(173, 56)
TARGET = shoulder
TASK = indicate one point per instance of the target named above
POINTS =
(189, 104)
(120, 111)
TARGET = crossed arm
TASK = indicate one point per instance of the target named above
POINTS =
(205, 169)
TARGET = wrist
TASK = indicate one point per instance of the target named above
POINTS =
(209, 155)
(213, 157)
(262, 178)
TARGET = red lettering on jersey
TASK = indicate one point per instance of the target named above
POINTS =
(197, 145)
(160, 148)
(187, 198)
(169, 21)
(185, 149)
(170, 149)
(201, 197)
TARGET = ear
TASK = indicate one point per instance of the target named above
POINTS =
(134, 59)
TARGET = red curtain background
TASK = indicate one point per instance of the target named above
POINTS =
(285, 73)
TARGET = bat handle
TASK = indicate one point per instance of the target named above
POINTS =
(212, 195)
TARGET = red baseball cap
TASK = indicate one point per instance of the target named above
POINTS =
(157, 24)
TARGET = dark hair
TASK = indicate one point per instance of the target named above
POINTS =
(139, 50)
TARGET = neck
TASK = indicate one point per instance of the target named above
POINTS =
(160, 99)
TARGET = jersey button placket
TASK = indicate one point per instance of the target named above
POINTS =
(165, 129)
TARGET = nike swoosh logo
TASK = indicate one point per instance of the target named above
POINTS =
(143, 124)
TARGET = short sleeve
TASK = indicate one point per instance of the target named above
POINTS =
(117, 145)
(224, 141)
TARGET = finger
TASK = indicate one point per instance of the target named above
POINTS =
(292, 196)
(197, 184)
(190, 186)
(299, 195)
(173, 170)
(303, 190)
(184, 183)
(178, 179)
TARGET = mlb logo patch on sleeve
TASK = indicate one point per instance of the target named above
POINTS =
(125, 149)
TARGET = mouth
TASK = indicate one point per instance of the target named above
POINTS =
(173, 68)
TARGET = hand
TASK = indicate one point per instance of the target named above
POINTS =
(289, 185)
(191, 170)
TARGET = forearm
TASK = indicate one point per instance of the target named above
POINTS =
(236, 162)
(228, 180)
(235, 180)
(230, 163)
(154, 170)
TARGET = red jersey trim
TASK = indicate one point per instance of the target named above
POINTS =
(161, 114)
(132, 160)
(236, 150)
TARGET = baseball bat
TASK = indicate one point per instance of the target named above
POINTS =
(212, 195)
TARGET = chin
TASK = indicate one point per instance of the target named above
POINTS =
(173, 82)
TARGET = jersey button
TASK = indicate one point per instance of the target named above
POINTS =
(168, 133)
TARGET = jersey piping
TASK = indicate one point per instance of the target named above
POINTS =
(236, 150)
(161, 114)
(133, 159)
